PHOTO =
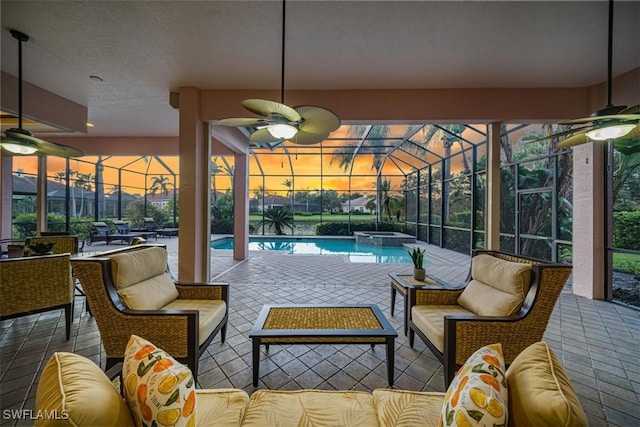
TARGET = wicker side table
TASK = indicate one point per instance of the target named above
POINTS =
(401, 283)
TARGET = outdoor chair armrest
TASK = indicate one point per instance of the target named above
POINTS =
(435, 295)
(203, 291)
(169, 329)
(464, 334)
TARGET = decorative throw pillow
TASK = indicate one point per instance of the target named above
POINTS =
(159, 390)
(477, 395)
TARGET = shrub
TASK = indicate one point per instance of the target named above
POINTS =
(626, 229)
(343, 229)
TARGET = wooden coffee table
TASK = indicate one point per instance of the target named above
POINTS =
(322, 324)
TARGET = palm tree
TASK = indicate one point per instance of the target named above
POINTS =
(215, 169)
(83, 182)
(160, 184)
(289, 184)
(277, 218)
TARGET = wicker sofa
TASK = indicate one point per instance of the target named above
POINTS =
(131, 291)
(508, 299)
(76, 392)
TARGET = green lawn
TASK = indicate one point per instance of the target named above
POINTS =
(626, 263)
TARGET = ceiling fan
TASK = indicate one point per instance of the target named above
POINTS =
(19, 141)
(304, 124)
(611, 122)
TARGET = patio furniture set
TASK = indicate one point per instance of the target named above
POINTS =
(508, 300)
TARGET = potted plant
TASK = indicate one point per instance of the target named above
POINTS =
(42, 248)
(417, 256)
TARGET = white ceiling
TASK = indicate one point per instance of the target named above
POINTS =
(145, 49)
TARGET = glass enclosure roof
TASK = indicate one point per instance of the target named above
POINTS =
(394, 148)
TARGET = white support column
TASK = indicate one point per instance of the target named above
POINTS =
(492, 202)
(195, 157)
(41, 195)
(589, 201)
(6, 190)
(241, 207)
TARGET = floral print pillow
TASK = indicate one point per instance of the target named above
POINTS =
(159, 391)
(478, 395)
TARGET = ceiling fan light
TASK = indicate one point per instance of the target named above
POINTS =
(282, 130)
(610, 132)
(16, 148)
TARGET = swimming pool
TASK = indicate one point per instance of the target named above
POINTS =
(356, 252)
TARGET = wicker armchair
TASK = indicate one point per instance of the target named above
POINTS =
(465, 332)
(177, 327)
(36, 284)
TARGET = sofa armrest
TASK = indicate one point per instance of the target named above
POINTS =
(203, 291)
(115, 371)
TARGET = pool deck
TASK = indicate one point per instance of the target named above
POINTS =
(598, 342)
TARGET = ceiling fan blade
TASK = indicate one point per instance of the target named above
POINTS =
(265, 107)
(621, 117)
(242, 122)
(22, 137)
(263, 136)
(317, 119)
(631, 110)
(307, 138)
(574, 140)
(563, 133)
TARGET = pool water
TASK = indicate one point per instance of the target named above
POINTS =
(356, 252)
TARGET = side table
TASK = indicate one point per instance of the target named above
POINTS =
(401, 283)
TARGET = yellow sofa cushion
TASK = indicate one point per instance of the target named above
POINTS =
(478, 394)
(540, 392)
(141, 279)
(498, 287)
(79, 394)
(223, 407)
(430, 320)
(400, 408)
(210, 314)
(158, 389)
(310, 407)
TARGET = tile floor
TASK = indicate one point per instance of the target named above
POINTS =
(598, 342)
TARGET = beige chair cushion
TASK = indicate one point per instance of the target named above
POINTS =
(540, 393)
(497, 288)
(80, 392)
(223, 407)
(211, 314)
(430, 320)
(151, 294)
(311, 408)
(133, 267)
(141, 279)
(400, 408)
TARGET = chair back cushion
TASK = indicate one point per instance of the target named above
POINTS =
(141, 278)
(540, 393)
(497, 287)
(74, 390)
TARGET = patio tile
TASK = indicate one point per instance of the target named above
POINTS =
(596, 341)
